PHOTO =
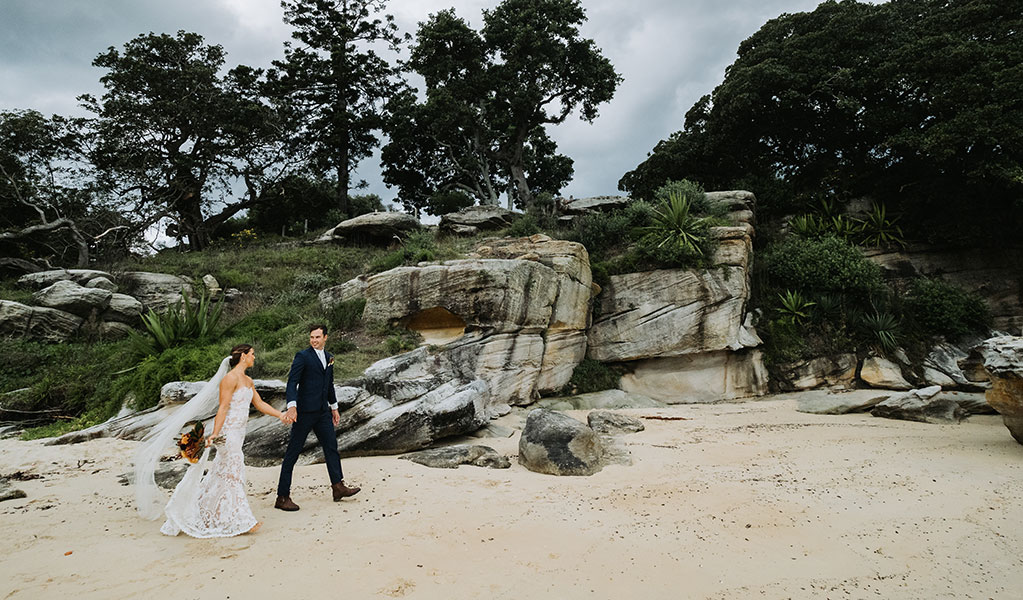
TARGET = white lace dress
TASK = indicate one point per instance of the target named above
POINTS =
(215, 505)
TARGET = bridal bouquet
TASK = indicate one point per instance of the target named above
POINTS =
(191, 442)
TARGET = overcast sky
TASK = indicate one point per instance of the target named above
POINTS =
(670, 52)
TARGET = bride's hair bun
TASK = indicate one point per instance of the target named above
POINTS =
(236, 353)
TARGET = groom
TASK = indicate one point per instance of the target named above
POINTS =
(312, 406)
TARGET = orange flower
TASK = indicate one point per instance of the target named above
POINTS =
(191, 443)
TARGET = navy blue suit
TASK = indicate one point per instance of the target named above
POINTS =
(311, 388)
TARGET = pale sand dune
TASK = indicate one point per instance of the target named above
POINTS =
(750, 500)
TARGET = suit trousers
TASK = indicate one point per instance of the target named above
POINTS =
(322, 424)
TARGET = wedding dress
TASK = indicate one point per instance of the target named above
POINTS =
(214, 504)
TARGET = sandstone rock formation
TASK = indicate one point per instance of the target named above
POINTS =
(879, 372)
(1002, 360)
(376, 227)
(922, 405)
(474, 219)
(583, 206)
(37, 322)
(685, 334)
(823, 371)
(514, 316)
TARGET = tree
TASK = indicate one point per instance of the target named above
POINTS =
(45, 189)
(913, 102)
(173, 134)
(489, 96)
(336, 82)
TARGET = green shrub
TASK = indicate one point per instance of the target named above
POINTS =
(676, 237)
(878, 230)
(883, 330)
(794, 307)
(416, 248)
(938, 307)
(182, 363)
(183, 322)
(592, 376)
(524, 225)
(784, 342)
(346, 315)
(402, 341)
(608, 233)
(821, 266)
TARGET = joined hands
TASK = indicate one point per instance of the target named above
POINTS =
(289, 416)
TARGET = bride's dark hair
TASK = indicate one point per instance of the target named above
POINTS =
(237, 351)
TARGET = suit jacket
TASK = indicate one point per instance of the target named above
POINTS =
(310, 386)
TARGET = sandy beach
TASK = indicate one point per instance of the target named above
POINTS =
(743, 500)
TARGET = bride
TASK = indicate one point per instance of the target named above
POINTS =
(211, 504)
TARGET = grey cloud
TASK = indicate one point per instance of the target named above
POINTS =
(669, 52)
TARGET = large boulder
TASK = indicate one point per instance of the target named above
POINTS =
(37, 322)
(1002, 359)
(556, 444)
(70, 297)
(593, 204)
(879, 372)
(923, 405)
(569, 260)
(44, 279)
(123, 308)
(376, 227)
(941, 367)
(474, 219)
(826, 402)
(156, 291)
(514, 316)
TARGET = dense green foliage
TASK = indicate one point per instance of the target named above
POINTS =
(914, 103)
(489, 95)
(592, 376)
(821, 296)
(822, 266)
(942, 308)
(334, 83)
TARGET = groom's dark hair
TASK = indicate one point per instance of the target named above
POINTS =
(316, 326)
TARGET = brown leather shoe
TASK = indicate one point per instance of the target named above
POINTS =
(285, 503)
(343, 491)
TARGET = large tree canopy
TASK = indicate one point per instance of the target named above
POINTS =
(336, 83)
(43, 192)
(915, 102)
(488, 97)
(172, 131)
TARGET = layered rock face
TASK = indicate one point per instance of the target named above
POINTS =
(994, 273)
(684, 332)
(514, 315)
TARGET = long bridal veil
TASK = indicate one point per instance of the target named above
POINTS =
(150, 500)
